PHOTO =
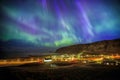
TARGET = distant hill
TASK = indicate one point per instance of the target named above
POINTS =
(13, 48)
(104, 47)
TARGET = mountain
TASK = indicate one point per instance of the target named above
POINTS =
(103, 47)
(19, 48)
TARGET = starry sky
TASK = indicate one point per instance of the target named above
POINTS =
(57, 23)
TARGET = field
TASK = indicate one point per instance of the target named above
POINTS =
(60, 71)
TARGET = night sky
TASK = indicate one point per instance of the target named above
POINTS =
(44, 25)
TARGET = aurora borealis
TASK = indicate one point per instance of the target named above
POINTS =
(57, 23)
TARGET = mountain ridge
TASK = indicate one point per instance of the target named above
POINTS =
(103, 47)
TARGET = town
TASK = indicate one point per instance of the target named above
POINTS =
(113, 59)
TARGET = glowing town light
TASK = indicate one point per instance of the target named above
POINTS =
(47, 60)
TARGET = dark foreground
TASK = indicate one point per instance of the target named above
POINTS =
(62, 73)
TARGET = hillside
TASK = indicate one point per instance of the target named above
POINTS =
(104, 47)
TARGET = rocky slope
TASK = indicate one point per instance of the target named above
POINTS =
(104, 47)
